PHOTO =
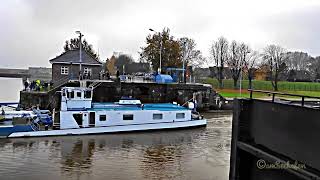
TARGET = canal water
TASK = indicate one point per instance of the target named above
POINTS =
(199, 153)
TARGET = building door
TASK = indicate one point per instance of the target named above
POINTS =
(92, 119)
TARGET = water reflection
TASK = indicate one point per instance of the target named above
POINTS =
(77, 159)
(201, 153)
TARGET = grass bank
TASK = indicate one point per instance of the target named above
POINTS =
(301, 88)
(266, 85)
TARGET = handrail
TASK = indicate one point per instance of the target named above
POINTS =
(187, 102)
(281, 93)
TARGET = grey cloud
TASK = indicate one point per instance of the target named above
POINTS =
(296, 31)
(34, 31)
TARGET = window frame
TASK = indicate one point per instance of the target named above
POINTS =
(64, 70)
(86, 93)
(70, 95)
(156, 114)
(86, 71)
(178, 117)
(103, 115)
(125, 117)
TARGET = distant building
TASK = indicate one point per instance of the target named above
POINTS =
(136, 67)
(201, 74)
(226, 72)
(261, 73)
(299, 76)
(66, 66)
(125, 65)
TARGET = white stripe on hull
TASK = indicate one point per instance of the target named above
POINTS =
(111, 129)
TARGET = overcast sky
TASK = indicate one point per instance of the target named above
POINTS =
(34, 31)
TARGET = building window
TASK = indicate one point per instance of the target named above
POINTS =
(64, 70)
(87, 71)
(79, 94)
(180, 116)
(103, 117)
(157, 116)
(128, 117)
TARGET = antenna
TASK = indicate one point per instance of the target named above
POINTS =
(98, 50)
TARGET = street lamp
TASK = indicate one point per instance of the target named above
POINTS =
(159, 70)
(241, 65)
(80, 54)
(183, 63)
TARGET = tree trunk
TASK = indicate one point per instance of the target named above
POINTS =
(250, 77)
(250, 82)
(275, 80)
(235, 83)
(276, 85)
(220, 79)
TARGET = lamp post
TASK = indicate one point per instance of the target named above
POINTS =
(80, 54)
(159, 70)
(183, 63)
(241, 66)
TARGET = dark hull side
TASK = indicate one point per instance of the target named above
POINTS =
(6, 131)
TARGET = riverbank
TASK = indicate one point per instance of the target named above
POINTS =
(235, 93)
(283, 86)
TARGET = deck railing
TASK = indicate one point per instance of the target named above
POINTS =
(303, 97)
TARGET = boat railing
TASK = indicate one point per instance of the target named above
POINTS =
(274, 94)
(190, 100)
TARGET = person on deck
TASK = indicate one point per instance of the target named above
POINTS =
(26, 84)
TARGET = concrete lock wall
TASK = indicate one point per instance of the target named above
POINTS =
(152, 92)
(274, 141)
(146, 92)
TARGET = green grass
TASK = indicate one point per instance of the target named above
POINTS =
(266, 85)
(300, 88)
(243, 94)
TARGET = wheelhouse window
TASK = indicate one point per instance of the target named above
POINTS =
(180, 116)
(87, 94)
(157, 116)
(128, 117)
(64, 70)
(79, 94)
(70, 94)
(102, 117)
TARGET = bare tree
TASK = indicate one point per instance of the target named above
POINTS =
(250, 65)
(190, 54)
(275, 57)
(297, 60)
(219, 54)
(314, 67)
(234, 62)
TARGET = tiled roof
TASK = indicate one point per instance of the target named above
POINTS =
(72, 56)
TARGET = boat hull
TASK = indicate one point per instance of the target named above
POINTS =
(112, 129)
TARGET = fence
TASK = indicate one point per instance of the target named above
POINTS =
(266, 85)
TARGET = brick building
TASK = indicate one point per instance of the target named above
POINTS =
(66, 66)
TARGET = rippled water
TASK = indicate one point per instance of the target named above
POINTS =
(200, 153)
